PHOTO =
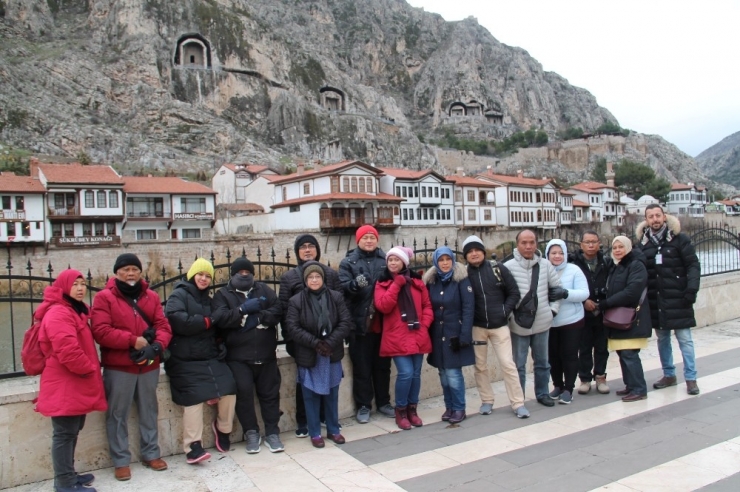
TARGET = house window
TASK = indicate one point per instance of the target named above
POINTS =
(487, 214)
(539, 216)
(471, 196)
(458, 195)
(191, 233)
(334, 184)
(426, 217)
(424, 191)
(418, 214)
(416, 191)
(354, 185)
(459, 214)
(25, 229)
(306, 188)
(395, 211)
(146, 234)
(471, 214)
(144, 207)
(345, 185)
(173, 233)
(362, 185)
(512, 217)
(398, 191)
(285, 194)
(438, 214)
(6, 203)
(295, 208)
(448, 215)
(113, 199)
(369, 182)
(405, 214)
(436, 192)
(102, 200)
(99, 229)
(87, 229)
(19, 201)
(110, 228)
(69, 230)
(89, 199)
(56, 230)
(192, 205)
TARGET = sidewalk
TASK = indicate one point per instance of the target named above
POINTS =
(582, 446)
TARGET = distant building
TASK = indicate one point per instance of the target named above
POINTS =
(428, 196)
(23, 214)
(232, 181)
(687, 199)
(525, 202)
(637, 207)
(603, 201)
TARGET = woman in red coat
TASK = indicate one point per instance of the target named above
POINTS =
(71, 384)
(402, 298)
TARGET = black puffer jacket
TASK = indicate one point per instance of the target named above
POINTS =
(496, 296)
(359, 300)
(196, 374)
(292, 283)
(596, 279)
(304, 331)
(253, 345)
(624, 286)
(674, 284)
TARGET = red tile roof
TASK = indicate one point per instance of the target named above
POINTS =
(333, 197)
(578, 203)
(516, 180)
(169, 185)
(566, 192)
(592, 186)
(680, 186)
(9, 182)
(409, 173)
(242, 207)
(324, 171)
(470, 181)
(76, 173)
(250, 168)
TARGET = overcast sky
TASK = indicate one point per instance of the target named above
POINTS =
(663, 67)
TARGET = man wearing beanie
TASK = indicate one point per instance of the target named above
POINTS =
(129, 325)
(246, 313)
(496, 296)
(358, 272)
(306, 248)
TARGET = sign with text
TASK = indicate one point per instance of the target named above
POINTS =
(193, 216)
(74, 241)
(12, 215)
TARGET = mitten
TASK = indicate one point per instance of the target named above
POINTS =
(400, 280)
(250, 306)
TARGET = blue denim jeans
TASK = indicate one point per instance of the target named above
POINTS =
(453, 388)
(686, 344)
(632, 373)
(331, 410)
(408, 379)
(520, 349)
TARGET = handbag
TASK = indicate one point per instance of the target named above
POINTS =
(622, 317)
(525, 313)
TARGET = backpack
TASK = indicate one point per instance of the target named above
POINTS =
(32, 357)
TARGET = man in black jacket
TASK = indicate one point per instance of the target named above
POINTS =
(673, 283)
(371, 373)
(592, 353)
(496, 296)
(306, 248)
(247, 313)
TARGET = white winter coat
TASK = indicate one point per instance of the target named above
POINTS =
(521, 269)
(574, 281)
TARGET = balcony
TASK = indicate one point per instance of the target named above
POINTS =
(346, 218)
(159, 214)
(64, 212)
(12, 215)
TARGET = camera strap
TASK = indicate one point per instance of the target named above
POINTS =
(136, 307)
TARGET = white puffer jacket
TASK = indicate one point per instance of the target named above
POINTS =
(521, 269)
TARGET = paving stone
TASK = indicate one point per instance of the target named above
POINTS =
(450, 479)
(729, 484)
(545, 469)
(577, 481)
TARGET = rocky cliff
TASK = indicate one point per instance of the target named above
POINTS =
(191, 84)
(721, 161)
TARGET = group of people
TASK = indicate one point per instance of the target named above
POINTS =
(220, 350)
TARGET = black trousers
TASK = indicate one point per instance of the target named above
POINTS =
(371, 373)
(563, 355)
(265, 379)
(592, 354)
(63, 443)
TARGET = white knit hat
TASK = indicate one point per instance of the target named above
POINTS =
(398, 252)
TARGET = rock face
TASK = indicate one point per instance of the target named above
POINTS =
(721, 161)
(192, 84)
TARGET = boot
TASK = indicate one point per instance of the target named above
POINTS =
(401, 420)
(692, 388)
(601, 385)
(413, 416)
(665, 382)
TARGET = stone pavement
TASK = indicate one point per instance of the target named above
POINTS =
(671, 441)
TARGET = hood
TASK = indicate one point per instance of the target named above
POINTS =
(54, 293)
(192, 289)
(674, 228)
(306, 238)
(561, 243)
(459, 272)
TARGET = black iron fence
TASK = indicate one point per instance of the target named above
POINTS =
(22, 285)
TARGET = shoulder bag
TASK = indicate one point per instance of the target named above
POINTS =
(525, 313)
(622, 317)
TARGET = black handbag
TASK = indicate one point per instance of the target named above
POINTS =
(525, 313)
(622, 317)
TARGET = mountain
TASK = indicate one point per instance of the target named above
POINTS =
(185, 86)
(721, 161)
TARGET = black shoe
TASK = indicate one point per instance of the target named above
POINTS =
(223, 443)
(85, 479)
(546, 400)
(197, 453)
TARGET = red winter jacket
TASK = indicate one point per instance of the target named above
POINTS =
(71, 383)
(396, 337)
(116, 326)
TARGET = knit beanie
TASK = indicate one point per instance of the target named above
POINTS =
(127, 259)
(366, 229)
(240, 264)
(398, 252)
(303, 239)
(472, 242)
(409, 251)
(312, 267)
(198, 266)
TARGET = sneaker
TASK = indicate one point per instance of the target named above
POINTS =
(584, 388)
(387, 410)
(301, 432)
(486, 409)
(197, 453)
(447, 414)
(555, 394)
(274, 444)
(77, 487)
(522, 412)
(546, 400)
(601, 385)
(566, 397)
(85, 479)
(223, 443)
(363, 415)
(253, 439)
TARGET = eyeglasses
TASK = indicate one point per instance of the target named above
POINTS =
(590, 242)
(306, 247)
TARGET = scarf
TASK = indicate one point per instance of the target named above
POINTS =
(242, 282)
(79, 306)
(130, 291)
(444, 250)
(406, 305)
(658, 237)
(319, 302)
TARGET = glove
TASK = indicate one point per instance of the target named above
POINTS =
(362, 280)
(251, 323)
(557, 293)
(147, 355)
(250, 306)
(690, 297)
(323, 348)
(221, 351)
(400, 280)
(455, 344)
(149, 335)
(207, 321)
